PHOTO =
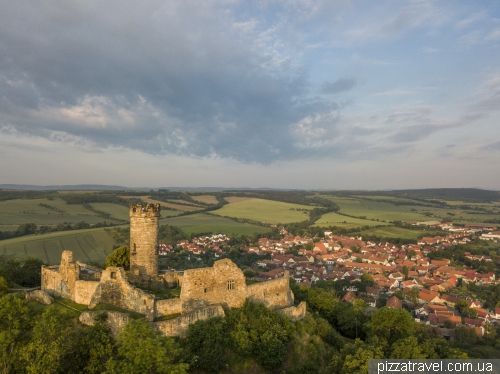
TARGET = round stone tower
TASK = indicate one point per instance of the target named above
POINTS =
(144, 241)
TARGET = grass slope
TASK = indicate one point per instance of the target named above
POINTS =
(266, 211)
(393, 232)
(200, 223)
(87, 245)
(18, 211)
(385, 211)
(334, 219)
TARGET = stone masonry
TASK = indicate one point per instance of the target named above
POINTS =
(144, 242)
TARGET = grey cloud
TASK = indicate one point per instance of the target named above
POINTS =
(171, 77)
(491, 147)
(340, 85)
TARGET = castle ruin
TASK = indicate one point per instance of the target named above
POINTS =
(205, 292)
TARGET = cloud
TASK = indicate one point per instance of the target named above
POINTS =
(340, 85)
(391, 22)
(490, 147)
(395, 93)
(429, 50)
(163, 78)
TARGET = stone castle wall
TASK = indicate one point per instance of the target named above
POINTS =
(115, 289)
(60, 280)
(295, 312)
(222, 283)
(173, 278)
(274, 293)
(84, 291)
(144, 241)
(40, 296)
(116, 321)
(168, 307)
(179, 326)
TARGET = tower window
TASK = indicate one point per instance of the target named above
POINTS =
(113, 275)
(230, 284)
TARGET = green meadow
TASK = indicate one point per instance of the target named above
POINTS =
(385, 211)
(52, 212)
(266, 211)
(87, 245)
(204, 223)
(335, 219)
(393, 232)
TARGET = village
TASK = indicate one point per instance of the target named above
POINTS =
(400, 276)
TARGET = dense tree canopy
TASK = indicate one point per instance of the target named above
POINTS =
(120, 257)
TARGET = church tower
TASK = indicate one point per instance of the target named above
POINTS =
(144, 241)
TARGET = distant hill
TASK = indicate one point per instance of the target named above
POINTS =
(462, 194)
(77, 187)
(102, 187)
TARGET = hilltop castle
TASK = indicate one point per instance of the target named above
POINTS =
(205, 292)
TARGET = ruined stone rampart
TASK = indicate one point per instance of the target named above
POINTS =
(173, 278)
(115, 321)
(114, 289)
(274, 293)
(168, 307)
(88, 272)
(60, 280)
(40, 296)
(179, 326)
(223, 283)
(295, 312)
(84, 291)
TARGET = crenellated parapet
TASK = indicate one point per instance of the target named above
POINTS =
(150, 210)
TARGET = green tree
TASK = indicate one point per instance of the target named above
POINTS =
(32, 272)
(81, 225)
(96, 346)
(143, 350)
(407, 348)
(405, 271)
(465, 337)
(323, 301)
(413, 295)
(15, 323)
(261, 332)
(4, 287)
(391, 324)
(206, 342)
(26, 229)
(120, 257)
(54, 343)
(354, 357)
(367, 279)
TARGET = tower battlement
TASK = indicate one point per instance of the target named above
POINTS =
(150, 210)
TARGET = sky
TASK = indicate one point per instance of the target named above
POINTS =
(304, 94)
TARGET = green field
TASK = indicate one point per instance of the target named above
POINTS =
(16, 212)
(393, 232)
(334, 219)
(115, 210)
(87, 245)
(201, 223)
(385, 211)
(267, 211)
(378, 210)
